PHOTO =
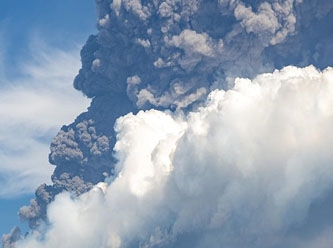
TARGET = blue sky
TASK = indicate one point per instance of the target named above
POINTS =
(39, 56)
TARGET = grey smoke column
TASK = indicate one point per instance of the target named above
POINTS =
(8, 240)
(170, 54)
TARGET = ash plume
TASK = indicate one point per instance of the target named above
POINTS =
(8, 240)
(169, 56)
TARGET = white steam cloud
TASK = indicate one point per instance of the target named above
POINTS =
(246, 169)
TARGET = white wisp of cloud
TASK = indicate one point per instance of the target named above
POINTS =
(33, 107)
(241, 171)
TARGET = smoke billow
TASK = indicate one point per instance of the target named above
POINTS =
(221, 161)
(186, 46)
(246, 169)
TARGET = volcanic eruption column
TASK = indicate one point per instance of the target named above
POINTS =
(235, 153)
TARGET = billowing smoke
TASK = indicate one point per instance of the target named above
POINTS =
(247, 169)
(247, 166)
(172, 53)
(187, 47)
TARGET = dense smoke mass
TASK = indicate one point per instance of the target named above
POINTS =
(199, 133)
(244, 170)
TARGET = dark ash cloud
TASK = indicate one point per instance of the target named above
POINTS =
(169, 55)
